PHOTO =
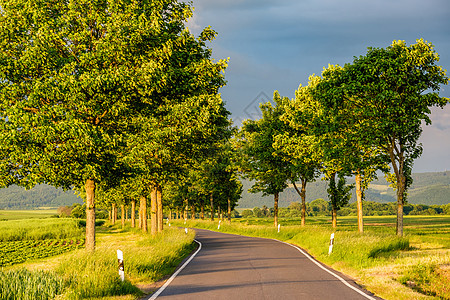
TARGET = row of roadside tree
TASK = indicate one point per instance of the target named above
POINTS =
(357, 120)
(116, 99)
(321, 207)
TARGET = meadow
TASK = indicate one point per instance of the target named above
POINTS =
(6, 215)
(45, 258)
(416, 266)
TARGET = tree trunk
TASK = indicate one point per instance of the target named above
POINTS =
(114, 214)
(133, 213)
(202, 211)
(154, 212)
(333, 216)
(143, 214)
(229, 211)
(122, 215)
(212, 207)
(400, 202)
(140, 214)
(359, 204)
(116, 210)
(170, 215)
(275, 208)
(110, 216)
(192, 212)
(302, 194)
(160, 215)
(186, 209)
(401, 180)
(90, 214)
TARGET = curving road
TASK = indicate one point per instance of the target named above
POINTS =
(236, 267)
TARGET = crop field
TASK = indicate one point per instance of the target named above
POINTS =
(23, 240)
(26, 214)
(44, 258)
(17, 252)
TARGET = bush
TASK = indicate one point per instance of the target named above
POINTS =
(235, 214)
(427, 279)
(247, 213)
(257, 212)
(82, 223)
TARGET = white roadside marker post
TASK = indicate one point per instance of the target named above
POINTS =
(279, 226)
(185, 230)
(330, 249)
(121, 267)
(218, 227)
(185, 221)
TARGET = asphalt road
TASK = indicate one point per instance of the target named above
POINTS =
(236, 267)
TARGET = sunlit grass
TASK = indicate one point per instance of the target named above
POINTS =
(40, 229)
(26, 285)
(26, 214)
(146, 259)
(82, 274)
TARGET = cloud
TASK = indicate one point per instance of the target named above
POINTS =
(440, 118)
(276, 45)
(436, 154)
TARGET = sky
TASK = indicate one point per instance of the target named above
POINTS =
(276, 45)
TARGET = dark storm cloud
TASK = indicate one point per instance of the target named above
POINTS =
(276, 45)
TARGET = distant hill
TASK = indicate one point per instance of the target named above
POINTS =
(427, 188)
(15, 197)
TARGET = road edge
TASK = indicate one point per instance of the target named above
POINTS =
(326, 269)
(174, 275)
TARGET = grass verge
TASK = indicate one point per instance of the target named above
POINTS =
(95, 275)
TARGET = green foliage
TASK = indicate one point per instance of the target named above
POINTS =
(27, 285)
(257, 212)
(260, 161)
(376, 89)
(339, 194)
(247, 213)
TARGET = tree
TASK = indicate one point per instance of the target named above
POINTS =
(77, 77)
(178, 123)
(247, 213)
(339, 195)
(391, 91)
(259, 159)
(341, 140)
(298, 143)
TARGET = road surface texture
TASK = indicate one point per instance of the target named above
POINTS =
(237, 267)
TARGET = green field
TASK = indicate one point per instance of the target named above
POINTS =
(26, 214)
(41, 258)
